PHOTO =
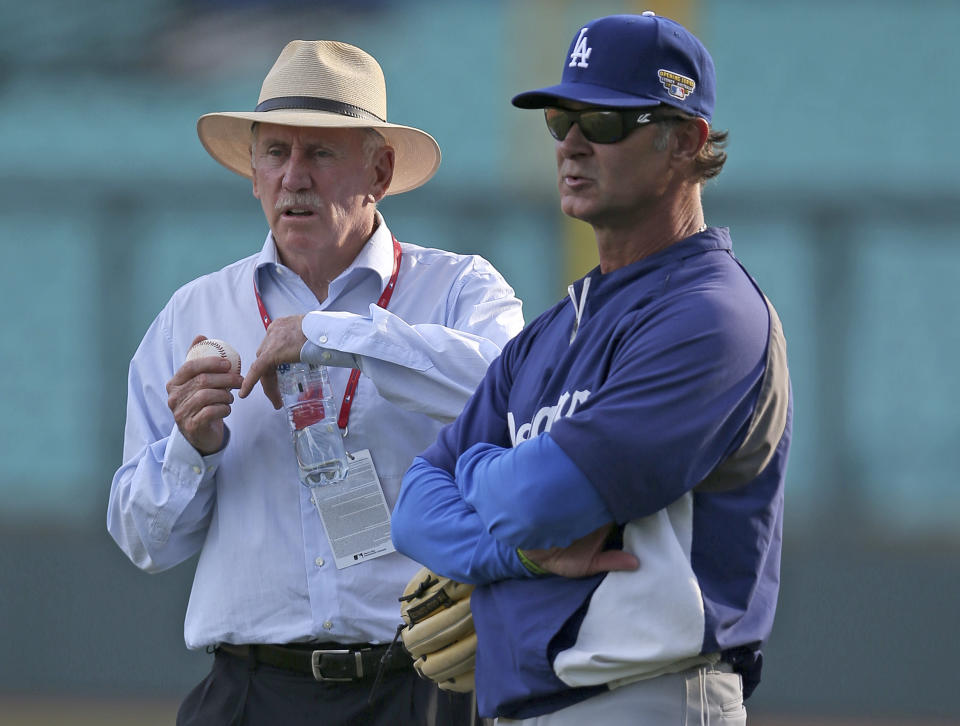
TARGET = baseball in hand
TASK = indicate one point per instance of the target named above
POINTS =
(217, 349)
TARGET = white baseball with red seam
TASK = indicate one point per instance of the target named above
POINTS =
(211, 347)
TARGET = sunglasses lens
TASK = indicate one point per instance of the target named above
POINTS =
(598, 127)
(601, 127)
(559, 122)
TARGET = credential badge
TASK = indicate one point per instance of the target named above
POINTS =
(580, 52)
(677, 86)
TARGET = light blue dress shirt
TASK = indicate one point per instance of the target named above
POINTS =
(266, 573)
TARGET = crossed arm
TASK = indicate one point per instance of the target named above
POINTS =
(470, 524)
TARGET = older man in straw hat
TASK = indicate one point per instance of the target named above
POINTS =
(301, 623)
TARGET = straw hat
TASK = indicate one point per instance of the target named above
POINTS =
(322, 84)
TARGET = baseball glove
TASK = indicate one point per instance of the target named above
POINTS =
(438, 630)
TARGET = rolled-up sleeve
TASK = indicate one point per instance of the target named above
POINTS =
(429, 368)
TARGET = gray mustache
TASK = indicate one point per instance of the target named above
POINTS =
(297, 199)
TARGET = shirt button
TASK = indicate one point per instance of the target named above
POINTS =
(322, 338)
(318, 562)
(197, 469)
(327, 625)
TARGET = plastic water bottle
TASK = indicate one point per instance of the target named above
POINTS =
(312, 412)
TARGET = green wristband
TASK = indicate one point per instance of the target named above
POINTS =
(532, 566)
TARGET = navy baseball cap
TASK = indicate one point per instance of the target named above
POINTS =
(633, 61)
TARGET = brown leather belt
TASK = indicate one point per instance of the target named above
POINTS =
(343, 663)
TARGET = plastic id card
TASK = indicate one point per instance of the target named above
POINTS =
(355, 514)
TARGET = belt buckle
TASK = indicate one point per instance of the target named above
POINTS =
(317, 655)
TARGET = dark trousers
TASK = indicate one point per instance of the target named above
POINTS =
(244, 693)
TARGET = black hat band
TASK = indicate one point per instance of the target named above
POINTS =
(311, 103)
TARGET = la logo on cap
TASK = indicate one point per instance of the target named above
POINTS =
(580, 52)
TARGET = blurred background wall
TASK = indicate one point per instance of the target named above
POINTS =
(841, 190)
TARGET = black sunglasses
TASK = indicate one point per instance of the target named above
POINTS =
(600, 125)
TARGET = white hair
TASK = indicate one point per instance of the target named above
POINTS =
(373, 141)
(662, 139)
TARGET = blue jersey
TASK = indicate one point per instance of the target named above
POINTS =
(657, 398)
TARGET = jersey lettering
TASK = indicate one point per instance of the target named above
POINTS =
(544, 418)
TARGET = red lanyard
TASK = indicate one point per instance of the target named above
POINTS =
(384, 300)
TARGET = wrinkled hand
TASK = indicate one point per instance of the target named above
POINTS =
(584, 557)
(199, 397)
(282, 344)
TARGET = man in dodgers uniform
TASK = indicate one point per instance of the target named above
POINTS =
(614, 488)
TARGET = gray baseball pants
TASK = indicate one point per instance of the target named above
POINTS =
(701, 696)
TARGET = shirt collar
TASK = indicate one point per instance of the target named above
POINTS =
(712, 238)
(375, 256)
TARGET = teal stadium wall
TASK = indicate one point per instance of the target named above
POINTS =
(841, 190)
